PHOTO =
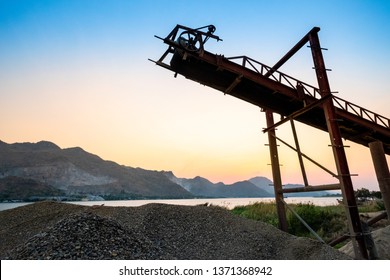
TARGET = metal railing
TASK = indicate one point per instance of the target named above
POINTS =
(277, 76)
(310, 90)
(361, 112)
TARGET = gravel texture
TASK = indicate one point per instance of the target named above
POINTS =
(52, 230)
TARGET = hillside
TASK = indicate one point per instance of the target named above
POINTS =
(15, 188)
(76, 172)
(34, 171)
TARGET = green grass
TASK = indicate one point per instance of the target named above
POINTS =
(327, 221)
(372, 206)
(260, 211)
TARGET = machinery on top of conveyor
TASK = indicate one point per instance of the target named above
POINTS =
(295, 100)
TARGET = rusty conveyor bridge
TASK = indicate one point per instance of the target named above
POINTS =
(263, 86)
(277, 92)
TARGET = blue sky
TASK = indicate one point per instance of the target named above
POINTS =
(76, 73)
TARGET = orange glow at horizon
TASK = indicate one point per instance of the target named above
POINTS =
(78, 75)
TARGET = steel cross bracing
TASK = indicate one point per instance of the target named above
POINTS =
(274, 91)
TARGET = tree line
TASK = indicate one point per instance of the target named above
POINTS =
(365, 193)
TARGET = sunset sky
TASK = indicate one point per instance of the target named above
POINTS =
(77, 73)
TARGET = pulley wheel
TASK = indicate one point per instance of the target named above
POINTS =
(189, 41)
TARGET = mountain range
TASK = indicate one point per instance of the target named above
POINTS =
(34, 171)
(199, 186)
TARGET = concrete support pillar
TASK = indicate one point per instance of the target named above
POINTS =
(382, 172)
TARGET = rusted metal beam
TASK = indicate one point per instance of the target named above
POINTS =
(369, 222)
(277, 178)
(293, 51)
(299, 153)
(162, 64)
(313, 188)
(382, 172)
(299, 112)
(307, 157)
(234, 84)
(377, 218)
(352, 211)
(304, 223)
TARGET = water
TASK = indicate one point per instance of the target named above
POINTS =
(229, 203)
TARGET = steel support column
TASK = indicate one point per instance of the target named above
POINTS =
(382, 172)
(344, 176)
(277, 178)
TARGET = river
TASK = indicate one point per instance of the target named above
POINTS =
(229, 203)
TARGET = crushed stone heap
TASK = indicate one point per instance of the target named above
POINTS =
(53, 230)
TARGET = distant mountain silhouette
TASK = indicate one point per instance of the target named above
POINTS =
(37, 170)
(267, 185)
(202, 187)
(77, 172)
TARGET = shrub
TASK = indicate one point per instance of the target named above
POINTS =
(380, 205)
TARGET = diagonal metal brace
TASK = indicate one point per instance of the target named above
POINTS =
(299, 112)
(307, 157)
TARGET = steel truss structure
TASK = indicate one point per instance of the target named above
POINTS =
(276, 92)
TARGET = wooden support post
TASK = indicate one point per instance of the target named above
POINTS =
(276, 173)
(382, 172)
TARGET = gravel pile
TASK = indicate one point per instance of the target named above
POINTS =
(49, 230)
(87, 236)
